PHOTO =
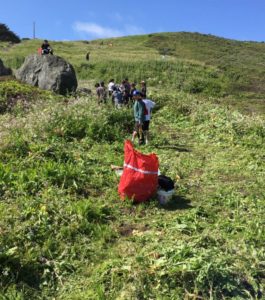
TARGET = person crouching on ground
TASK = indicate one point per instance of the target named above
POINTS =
(46, 48)
(149, 105)
(139, 116)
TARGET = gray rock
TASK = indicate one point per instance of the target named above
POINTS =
(83, 92)
(48, 72)
(3, 70)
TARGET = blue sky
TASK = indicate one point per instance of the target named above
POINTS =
(80, 19)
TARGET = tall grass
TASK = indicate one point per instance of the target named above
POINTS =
(65, 234)
(177, 75)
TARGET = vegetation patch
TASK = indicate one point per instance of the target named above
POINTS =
(14, 94)
(6, 35)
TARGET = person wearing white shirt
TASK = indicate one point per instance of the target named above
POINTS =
(149, 105)
(111, 84)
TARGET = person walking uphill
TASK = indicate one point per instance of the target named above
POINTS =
(139, 116)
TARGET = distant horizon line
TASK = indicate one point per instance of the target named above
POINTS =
(146, 34)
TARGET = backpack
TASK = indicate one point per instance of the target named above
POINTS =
(165, 183)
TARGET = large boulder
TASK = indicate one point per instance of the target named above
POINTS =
(48, 72)
(3, 70)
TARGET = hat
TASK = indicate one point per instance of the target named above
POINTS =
(136, 93)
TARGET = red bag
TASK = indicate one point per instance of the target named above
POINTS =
(139, 179)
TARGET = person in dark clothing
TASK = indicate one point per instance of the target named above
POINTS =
(133, 88)
(87, 55)
(46, 48)
(143, 88)
(126, 90)
(101, 93)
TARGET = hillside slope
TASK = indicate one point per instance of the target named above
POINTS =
(242, 61)
(232, 67)
(64, 232)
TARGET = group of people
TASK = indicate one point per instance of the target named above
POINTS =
(126, 94)
(120, 94)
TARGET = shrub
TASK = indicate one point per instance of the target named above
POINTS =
(7, 35)
(13, 92)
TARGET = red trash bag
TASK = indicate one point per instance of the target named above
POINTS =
(139, 179)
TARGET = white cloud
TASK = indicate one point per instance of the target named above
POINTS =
(98, 31)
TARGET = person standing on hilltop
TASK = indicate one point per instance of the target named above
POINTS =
(46, 48)
(139, 116)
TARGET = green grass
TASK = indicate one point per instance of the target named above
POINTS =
(242, 62)
(64, 232)
(195, 63)
(17, 97)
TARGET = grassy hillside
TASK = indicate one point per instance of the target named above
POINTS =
(195, 63)
(64, 233)
(242, 62)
